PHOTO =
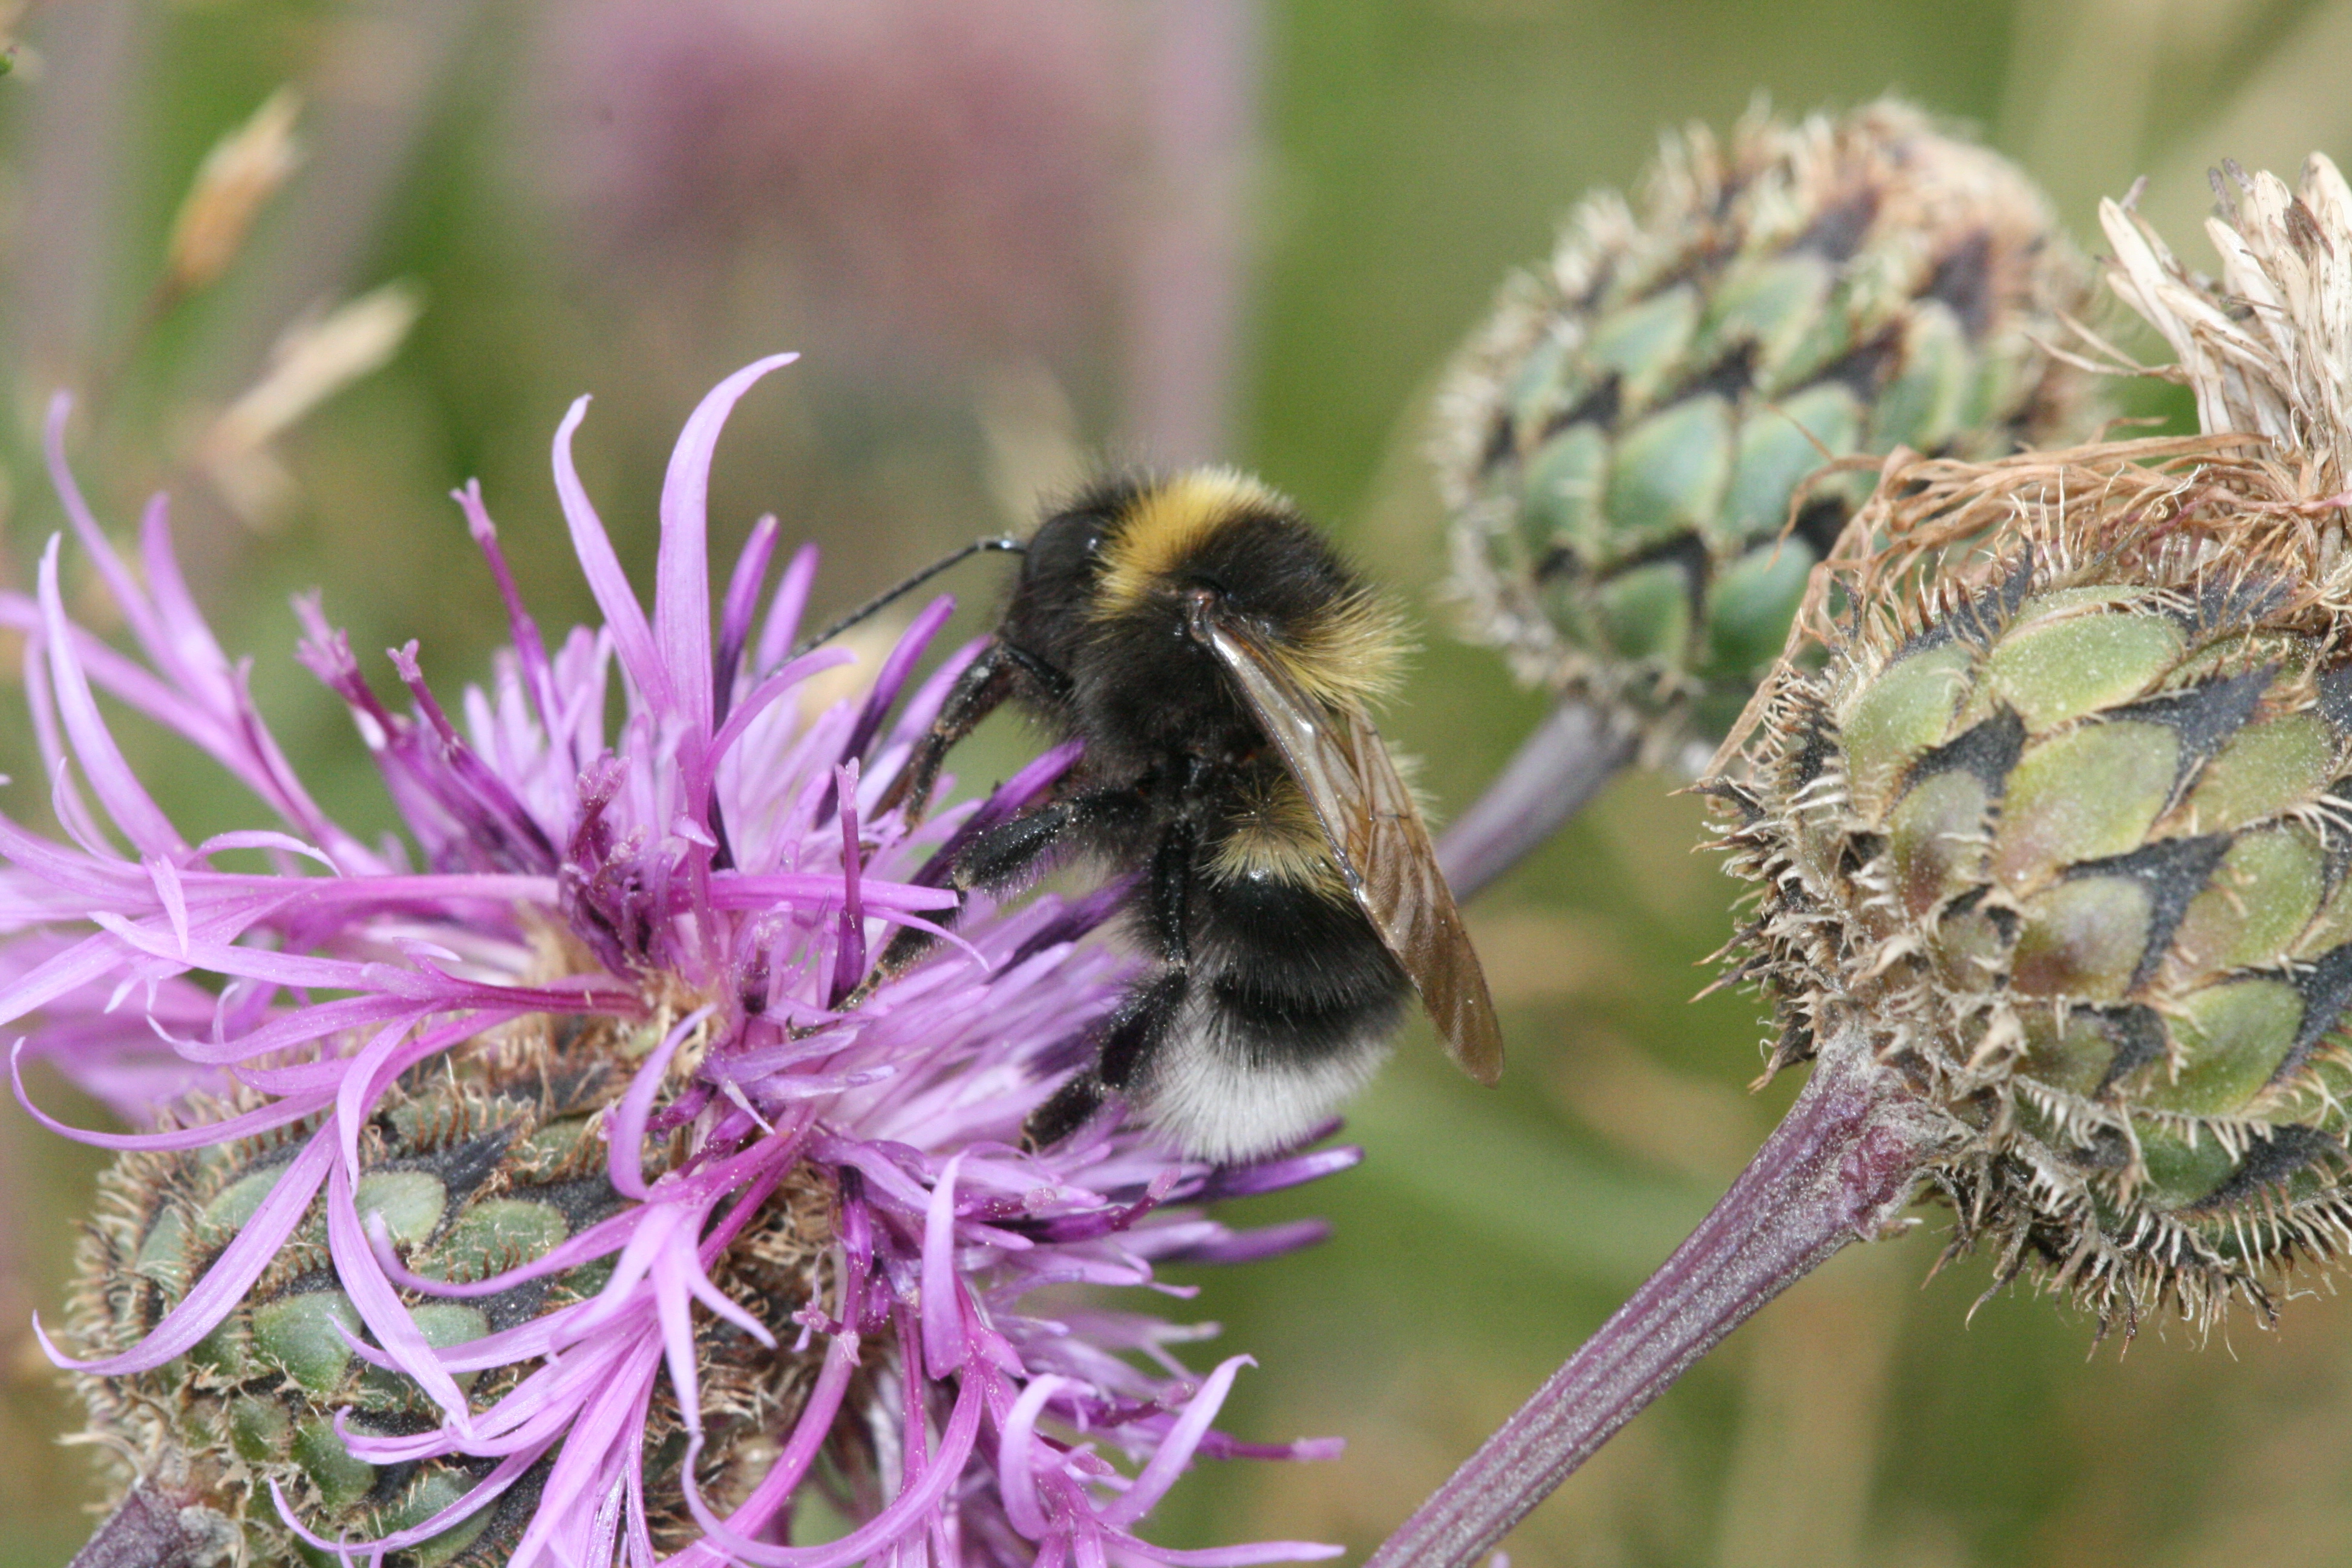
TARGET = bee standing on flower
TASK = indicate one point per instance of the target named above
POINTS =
(1217, 657)
(525, 1195)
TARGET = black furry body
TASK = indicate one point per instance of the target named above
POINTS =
(1272, 988)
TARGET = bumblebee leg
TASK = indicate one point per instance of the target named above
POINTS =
(1134, 1030)
(1072, 1107)
(1141, 1021)
(1139, 1026)
(1000, 858)
(1171, 888)
(979, 691)
(996, 860)
(1053, 682)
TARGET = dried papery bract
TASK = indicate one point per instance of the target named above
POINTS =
(2267, 348)
(1629, 447)
(238, 178)
(2045, 817)
(322, 352)
(316, 357)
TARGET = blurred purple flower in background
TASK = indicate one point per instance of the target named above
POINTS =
(949, 180)
(948, 191)
(707, 882)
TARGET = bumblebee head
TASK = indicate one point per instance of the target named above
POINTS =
(1124, 557)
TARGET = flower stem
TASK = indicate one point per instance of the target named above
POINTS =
(1839, 1168)
(1558, 768)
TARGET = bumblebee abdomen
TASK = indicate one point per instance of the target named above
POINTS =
(1254, 1065)
(1269, 1023)
(1288, 950)
(1293, 1005)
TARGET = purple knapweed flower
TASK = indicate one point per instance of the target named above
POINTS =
(555, 1196)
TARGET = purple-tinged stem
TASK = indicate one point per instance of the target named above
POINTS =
(145, 1530)
(1839, 1168)
(1558, 768)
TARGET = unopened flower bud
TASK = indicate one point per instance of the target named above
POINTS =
(1624, 445)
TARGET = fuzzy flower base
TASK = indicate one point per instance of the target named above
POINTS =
(541, 1203)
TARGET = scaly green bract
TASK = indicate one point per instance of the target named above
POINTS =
(1625, 444)
(2070, 828)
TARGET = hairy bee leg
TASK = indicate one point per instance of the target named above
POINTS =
(1141, 1025)
(1000, 858)
(1144, 1016)
(1072, 1107)
(1140, 1022)
(984, 688)
(994, 860)
(979, 691)
(1055, 683)
(1171, 887)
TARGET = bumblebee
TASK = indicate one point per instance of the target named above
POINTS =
(1218, 660)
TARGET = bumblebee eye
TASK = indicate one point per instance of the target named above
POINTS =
(1065, 546)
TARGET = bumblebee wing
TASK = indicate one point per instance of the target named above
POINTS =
(1375, 833)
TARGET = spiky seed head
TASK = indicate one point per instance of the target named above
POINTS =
(477, 1166)
(2068, 826)
(1620, 446)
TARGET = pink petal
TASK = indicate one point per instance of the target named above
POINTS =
(905, 1516)
(487, 1492)
(745, 890)
(530, 648)
(203, 1135)
(1176, 1449)
(1017, 1479)
(682, 569)
(625, 618)
(1256, 1552)
(379, 1306)
(849, 946)
(901, 663)
(785, 609)
(809, 1435)
(944, 1346)
(126, 800)
(741, 603)
(607, 1234)
(120, 585)
(624, 1133)
(925, 704)
(676, 1326)
(772, 686)
(604, 1424)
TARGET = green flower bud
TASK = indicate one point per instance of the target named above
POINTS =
(2067, 831)
(1623, 446)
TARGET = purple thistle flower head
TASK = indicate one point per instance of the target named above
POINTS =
(540, 1200)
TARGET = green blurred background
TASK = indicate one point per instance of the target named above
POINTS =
(1008, 232)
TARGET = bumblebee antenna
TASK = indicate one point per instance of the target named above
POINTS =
(883, 600)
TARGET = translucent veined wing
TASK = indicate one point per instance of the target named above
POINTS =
(1375, 833)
